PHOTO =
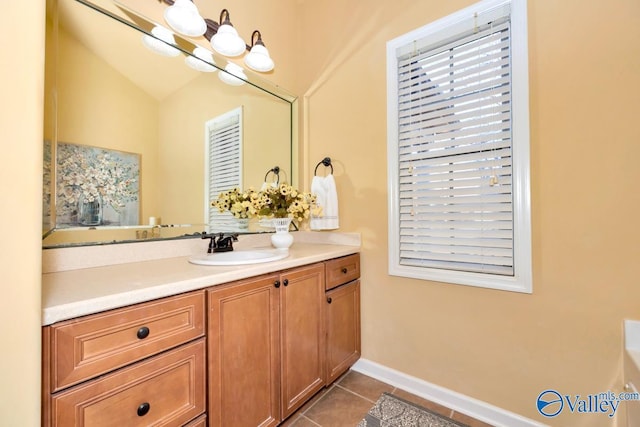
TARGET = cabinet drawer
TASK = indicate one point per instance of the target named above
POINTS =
(84, 348)
(167, 390)
(342, 270)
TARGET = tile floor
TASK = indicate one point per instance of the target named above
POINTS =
(346, 402)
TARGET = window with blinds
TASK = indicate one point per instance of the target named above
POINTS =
(459, 197)
(223, 140)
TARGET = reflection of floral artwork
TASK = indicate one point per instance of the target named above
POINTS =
(105, 178)
(47, 166)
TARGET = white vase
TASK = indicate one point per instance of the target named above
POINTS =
(243, 223)
(281, 239)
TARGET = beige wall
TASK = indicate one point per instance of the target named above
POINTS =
(21, 114)
(499, 347)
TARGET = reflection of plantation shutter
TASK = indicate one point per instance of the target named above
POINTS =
(454, 170)
(224, 163)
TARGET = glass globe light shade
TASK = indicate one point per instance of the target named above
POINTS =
(161, 42)
(258, 59)
(234, 75)
(184, 18)
(227, 42)
(202, 60)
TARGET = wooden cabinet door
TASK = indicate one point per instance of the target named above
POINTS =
(244, 363)
(343, 329)
(302, 335)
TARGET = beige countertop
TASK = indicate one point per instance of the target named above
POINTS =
(71, 292)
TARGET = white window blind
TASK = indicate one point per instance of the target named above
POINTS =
(223, 138)
(454, 129)
(453, 199)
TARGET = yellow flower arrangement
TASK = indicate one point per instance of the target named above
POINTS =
(239, 203)
(283, 201)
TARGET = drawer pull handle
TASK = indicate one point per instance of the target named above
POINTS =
(143, 409)
(329, 300)
(276, 283)
(285, 282)
(143, 332)
(344, 270)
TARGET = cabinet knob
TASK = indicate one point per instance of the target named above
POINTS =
(143, 409)
(276, 283)
(285, 282)
(344, 270)
(143, 332)
(329, 300)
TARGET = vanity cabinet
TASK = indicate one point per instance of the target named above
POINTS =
(342, 315)
(134, 366)
(243, 354)
(266, 346)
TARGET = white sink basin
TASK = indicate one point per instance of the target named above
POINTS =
(241, 257)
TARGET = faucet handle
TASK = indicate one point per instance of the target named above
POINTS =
(225, 243)
(212, 242)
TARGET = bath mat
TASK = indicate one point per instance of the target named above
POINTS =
(392, 411)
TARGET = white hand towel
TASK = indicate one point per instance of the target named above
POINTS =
(266, 185)
(324, 187)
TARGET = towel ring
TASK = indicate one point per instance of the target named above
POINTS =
(326, 162)
(276, 171)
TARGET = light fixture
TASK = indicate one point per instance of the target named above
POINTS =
(161, 41)
(202, 60)
(233, 75)
(184, 18)
(258, 58)
(226, 40)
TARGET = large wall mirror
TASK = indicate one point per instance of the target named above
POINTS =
(138, 125)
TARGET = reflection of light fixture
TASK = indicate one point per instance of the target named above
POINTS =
(226, 40)
(184, 18)
(258, 58)
(160, 41)
(233, 75)
(202, 60)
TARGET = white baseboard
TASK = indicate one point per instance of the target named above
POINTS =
(458, 402)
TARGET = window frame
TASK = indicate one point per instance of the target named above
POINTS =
(521, 281)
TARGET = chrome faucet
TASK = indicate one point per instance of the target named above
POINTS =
(220, 242)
